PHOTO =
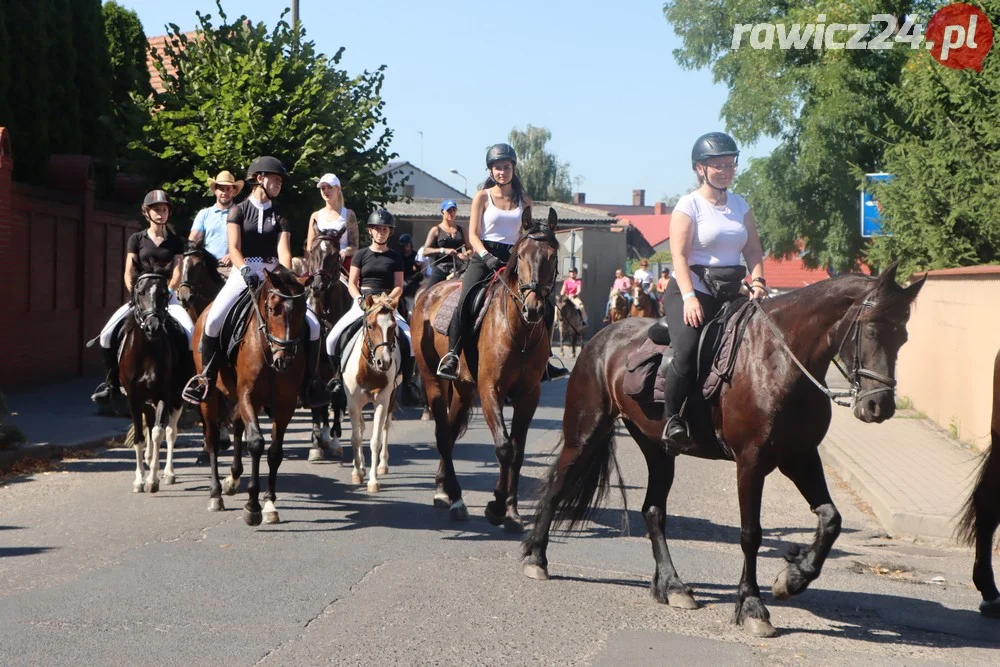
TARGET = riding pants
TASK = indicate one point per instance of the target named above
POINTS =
(353, 315)
(476, 273)
(174, 309)
(683, 338)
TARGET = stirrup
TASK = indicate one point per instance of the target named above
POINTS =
(458, 366)
(196, 390)
(675, 443)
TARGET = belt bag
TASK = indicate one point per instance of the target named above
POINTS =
(723, 282)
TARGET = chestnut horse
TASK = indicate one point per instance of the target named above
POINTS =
(619, 307)
(643, 304)
(570, 323)
(773, 414)
(269, 371)
(512, 350)
(981, 515)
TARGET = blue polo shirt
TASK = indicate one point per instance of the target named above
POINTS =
(211, 222)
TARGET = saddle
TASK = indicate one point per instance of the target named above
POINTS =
(351, 336)
(234, 328)
(477, 301)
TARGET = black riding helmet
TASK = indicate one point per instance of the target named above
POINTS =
(405, 238)
(266, 165)
(713, 144)
(499, 152)
(382, 217)
(156, 197)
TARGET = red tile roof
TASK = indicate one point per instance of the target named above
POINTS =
(655, 228)
(157, 43)
(790, 273)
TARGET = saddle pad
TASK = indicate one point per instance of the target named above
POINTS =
(642, 370)
(235, 326)
(724, 361)
(481, 297)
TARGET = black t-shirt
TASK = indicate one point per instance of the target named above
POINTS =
(410, 265)
(446, 263)
(142, 245)
(378, 269)
(253, 243)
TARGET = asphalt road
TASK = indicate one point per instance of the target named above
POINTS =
(94, 574)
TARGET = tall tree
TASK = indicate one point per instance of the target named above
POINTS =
(92, 76)
(4, 68)
(237, 91)
(129, 81)
(541, 173)
(64, 100)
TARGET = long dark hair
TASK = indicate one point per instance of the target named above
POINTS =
(515, 184)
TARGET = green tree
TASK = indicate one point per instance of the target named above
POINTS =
(64, 100)
(92, 78)
(542, 175)
(239, 92)
(129, 80)
(4, 68)
(828, 108)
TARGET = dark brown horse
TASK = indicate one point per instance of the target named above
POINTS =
(619, 307)
(570, 322)
(155, 363)
(642, 303)
(981, 515)
(512, 351)
(200, 279)
(771, 416)
(269, 370)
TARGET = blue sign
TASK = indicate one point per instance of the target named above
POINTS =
(871, 210)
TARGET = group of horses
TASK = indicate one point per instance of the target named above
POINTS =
(771, 413)
(570, 320)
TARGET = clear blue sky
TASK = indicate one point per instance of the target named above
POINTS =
(600, 76)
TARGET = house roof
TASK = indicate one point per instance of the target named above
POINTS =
(397, 165)
(158, 43)
(791, 273)
(655, 228)
(425, 207)
(621, 209)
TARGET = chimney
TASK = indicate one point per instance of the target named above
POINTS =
(661, 208)
(579, 197)
(638, 198)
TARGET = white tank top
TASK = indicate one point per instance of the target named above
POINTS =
(501, 226)
(337, 225)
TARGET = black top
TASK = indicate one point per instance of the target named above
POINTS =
(263, 244)
(142, 245)
(378, 269)
(410, 266)
(445, 263)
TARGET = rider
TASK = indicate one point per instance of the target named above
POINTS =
(642, 276)
(334, 217)
(445, 242)
(709, 227)
(157, 244)
(494, 227)
(377, 269)
(412, 271)
(571, 290)
(622, 286)
(210, 223)
(259, 239)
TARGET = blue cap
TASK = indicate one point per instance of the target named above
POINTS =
(448, 203)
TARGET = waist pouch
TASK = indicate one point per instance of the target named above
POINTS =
(723, 282)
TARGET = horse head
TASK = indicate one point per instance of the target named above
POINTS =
(199, 274)
(150, 294)
(281, 307)
(380, 331)
(533, 264)
(323, 263)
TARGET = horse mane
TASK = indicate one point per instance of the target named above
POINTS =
(285, 281)
(539, 231)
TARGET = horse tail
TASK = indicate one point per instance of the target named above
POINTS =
(985, 496)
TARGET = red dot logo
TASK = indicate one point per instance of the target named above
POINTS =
(959, 36)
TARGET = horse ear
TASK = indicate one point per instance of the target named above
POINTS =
(526, 218)
(368, 301)
(914, 289)
(889, 275)
(553, 220)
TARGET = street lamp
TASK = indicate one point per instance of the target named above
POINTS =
(465, 188)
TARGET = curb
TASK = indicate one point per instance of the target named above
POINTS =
(53, 450)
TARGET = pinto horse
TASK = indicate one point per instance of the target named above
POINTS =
(512, 350)
(269, 370)
(981, 514)
(372, 375)
(327, 296)
(570, 322)
(642, 303)
(154, 366)
(619, 307)
(773, 414)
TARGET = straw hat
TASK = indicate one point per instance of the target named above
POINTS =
(225, 178)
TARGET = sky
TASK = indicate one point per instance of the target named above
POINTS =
(460, 74)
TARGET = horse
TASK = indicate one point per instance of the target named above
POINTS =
(200, 279)
(268, 373)
(153, 368)
(512, 350)
(981, 513)
(327, 296)
(619, 307)
(773, 413)
(372, 375)
(570, 321)
(643, 304)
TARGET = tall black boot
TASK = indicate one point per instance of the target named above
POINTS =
(111, 385)
(408, 393)
(450, 363)
(315, 394)
(200, 386)
(552, 372)
(676, 388)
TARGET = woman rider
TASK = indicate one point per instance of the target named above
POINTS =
(710, 229)
(156, 245)
(445, 241)
(377, 269)
(334, 217)
(259, 239)
(494, 226)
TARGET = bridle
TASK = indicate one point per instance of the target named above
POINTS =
(275, 344)
(192, 288)
(541, 290)
(141, 316)
(372, 346)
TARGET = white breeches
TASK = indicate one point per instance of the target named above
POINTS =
(174, 309)
(230, 293)
(353, 315)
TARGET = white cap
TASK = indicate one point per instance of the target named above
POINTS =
(329, 179)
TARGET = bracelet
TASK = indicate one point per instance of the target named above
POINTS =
(687, 295)
(761, 281)
(483, 253)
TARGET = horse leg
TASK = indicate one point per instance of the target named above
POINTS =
(666, 586)
(383, 458)
(275, 453)
(168, 471)
(750, 610)
(210, 421)
(524, 411)
(231, 484)
(438, 407)
(377, 443)
(252, 515)
(805, 565)
(492, 406)
(156, 435)
(139, 441)
(317, 452)
(458, 416)
(359, 473)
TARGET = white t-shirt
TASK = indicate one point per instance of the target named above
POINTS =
(643, 277)
(719, 231)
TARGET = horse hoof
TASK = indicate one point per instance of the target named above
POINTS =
(137, 487)
(492, 516)
(215, 505)
(374, 487)
(536, 572)
(759, 628)
(336, 452)
(269, 517)
(681, 601)
(316, 454)
(442, 500)
(514, 525)
(458, 511)
(425, 416)
(168, 480)
(382, 470)
(151, 487)
(356, 478)
(230, 487)
(779, 589)
(252, 518)
(990, 609)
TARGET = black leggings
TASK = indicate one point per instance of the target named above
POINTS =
(477, 272)
(683, 338)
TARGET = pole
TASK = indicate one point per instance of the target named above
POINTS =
(295, 15)
(421, 133)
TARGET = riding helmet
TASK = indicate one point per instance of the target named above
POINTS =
(713, 144)
(499, 152)
(405, 238)
(381, 217)
(155, 197)
(266, 165)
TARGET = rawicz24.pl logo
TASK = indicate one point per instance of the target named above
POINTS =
(958, 35)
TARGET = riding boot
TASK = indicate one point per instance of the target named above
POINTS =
(450, 363)
(408, 394)
(201, 386)
(676, 435)
(111, 386)
(314, 393)
(554, 372)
